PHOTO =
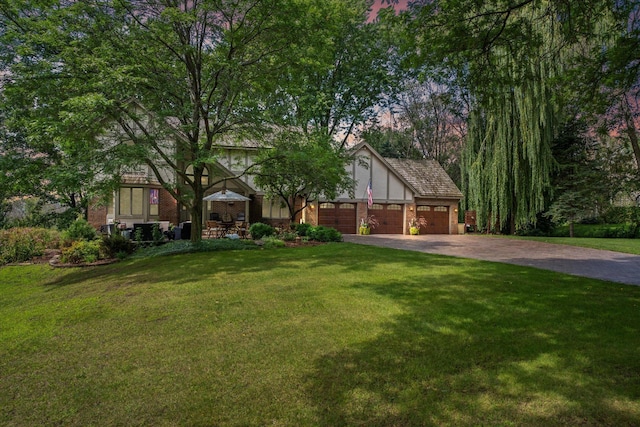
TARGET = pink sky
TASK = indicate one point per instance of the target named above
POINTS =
(378, 4)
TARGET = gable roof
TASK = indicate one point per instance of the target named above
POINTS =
(427, 177)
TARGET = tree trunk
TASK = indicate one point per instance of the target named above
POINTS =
(196, 221)
(571, 229)
(632, 133)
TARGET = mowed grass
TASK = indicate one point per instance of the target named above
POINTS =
(332, 335)
(628, 246)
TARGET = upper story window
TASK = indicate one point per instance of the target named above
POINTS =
(205, 175)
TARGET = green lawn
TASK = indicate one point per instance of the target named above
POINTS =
(332, 335)
(629, 246)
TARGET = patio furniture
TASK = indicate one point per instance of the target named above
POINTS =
(214, 229)
(242, 228)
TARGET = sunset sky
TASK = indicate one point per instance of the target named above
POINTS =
(378, 4)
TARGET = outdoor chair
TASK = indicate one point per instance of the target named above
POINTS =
(214, 229)
(241, 229)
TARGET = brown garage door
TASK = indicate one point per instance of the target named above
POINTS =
(437, 219)
(341, 216)
(389, 218)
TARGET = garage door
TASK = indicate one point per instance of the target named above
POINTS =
(437, 219)
(389, 218)
(341, 216)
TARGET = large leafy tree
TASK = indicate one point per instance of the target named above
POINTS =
(341, 78)
(169, 79)
(174, 77)
(605, 76)
(300, 168)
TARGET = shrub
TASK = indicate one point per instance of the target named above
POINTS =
(156, 234)
(610, 231)
(303, 229)
(271, 242)
(621, 215)
(116, 245)
(325, 234)
(288, 236)
(22, 244)
(80, 229)
(81, 251)
(259, 230)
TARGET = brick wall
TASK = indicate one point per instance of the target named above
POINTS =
(97, 215)
(168, 207)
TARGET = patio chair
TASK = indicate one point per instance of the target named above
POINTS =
(213, 229)
(242, 228)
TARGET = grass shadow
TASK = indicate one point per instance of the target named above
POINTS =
(492, 347)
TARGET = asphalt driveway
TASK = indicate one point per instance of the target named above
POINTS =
(598, 264)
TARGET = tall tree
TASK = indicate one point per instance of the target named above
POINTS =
(391, 141)
(507, 55)
(340, 80)
(302, 167)
(175, 76)
(435, 115)
(578, 187)
(605, 76)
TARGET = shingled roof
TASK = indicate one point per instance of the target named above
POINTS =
(427, 177)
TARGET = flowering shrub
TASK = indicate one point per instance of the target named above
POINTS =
(22, 244)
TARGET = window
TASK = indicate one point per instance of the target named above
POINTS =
(327, 206)
(131, 201)
(154, 201)
(274, 209)
(347, 206)
(205, 175)
(376, 207)
(394, 208)
(424, 208)
(440, 209)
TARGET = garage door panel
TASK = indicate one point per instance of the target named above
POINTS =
(390, 218)
(341, 216)
(436, 219)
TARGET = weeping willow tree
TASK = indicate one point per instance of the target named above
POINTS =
(507, 56)
(507, 160)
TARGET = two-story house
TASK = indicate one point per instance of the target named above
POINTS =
(401, 189)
